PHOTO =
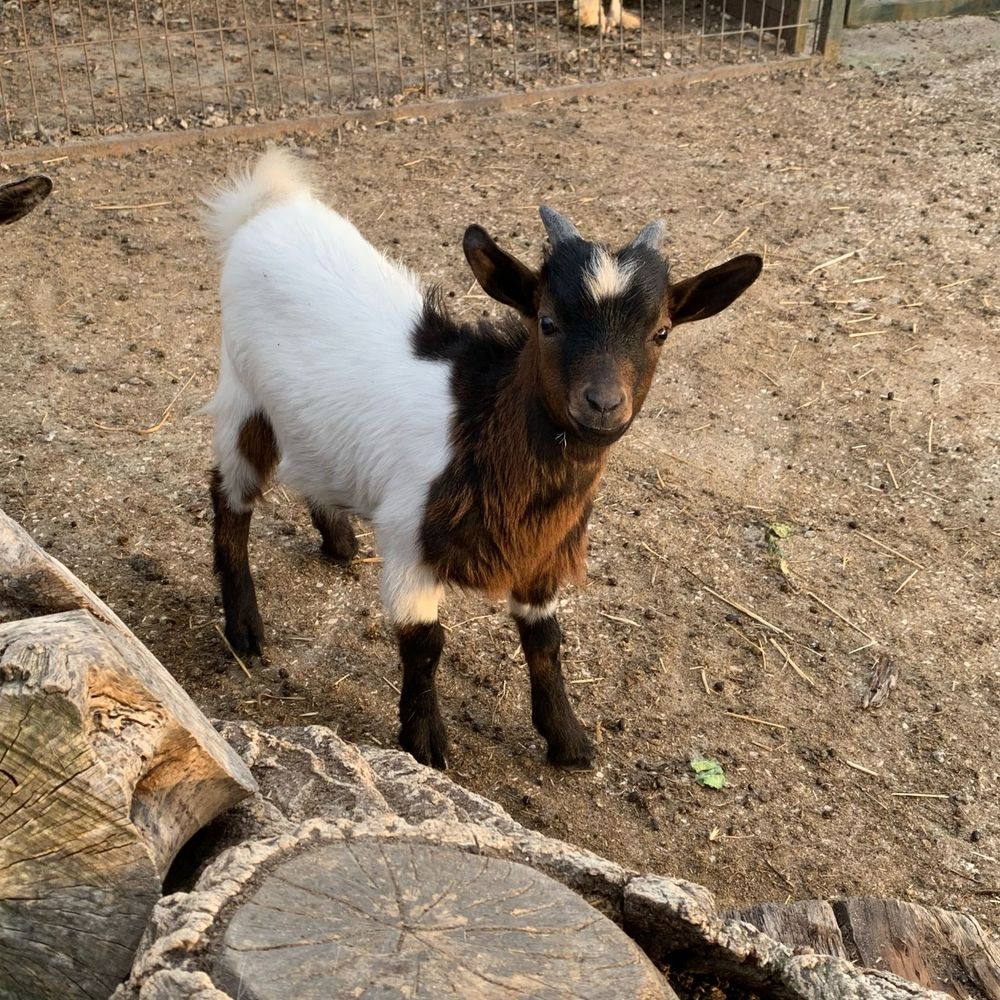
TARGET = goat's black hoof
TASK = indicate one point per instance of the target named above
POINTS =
(340, 544)
(574, 752)
(341, 550)
(246, 637)
(427, 741)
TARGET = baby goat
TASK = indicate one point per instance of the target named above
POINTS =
(474, 449)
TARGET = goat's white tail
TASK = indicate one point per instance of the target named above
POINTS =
(275, 177)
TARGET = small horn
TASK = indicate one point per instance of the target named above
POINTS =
(559, 228)
(651, 235)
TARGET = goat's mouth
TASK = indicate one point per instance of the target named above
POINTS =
(596, 433)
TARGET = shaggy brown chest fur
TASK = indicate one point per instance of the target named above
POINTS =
(509, 514)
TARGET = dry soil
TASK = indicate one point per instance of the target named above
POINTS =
(853, 395)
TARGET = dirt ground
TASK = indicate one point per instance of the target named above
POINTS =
(853, 394)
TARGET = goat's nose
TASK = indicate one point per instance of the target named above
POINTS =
(604, 399)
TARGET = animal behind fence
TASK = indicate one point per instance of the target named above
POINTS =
(75, 69)
(474, 449)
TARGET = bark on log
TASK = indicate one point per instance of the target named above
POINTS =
(808, 924)
(309, 771)
(106, 769)
(710, 944)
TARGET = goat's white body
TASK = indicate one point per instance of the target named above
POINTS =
(316, 335)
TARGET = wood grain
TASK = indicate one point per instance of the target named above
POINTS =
(386, 918)
(941, 950)
(106, 769)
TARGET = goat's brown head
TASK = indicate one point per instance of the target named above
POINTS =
(19, 198)
(599, 317)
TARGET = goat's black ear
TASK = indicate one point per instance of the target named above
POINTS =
(19, 198)
(502, 277)
(711, 291)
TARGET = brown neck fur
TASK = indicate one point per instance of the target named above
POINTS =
(509, 513)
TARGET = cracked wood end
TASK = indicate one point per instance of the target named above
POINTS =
(367, 917)
(940, 950)
(106, 769)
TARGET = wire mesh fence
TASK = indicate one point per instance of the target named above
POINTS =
(90, 67)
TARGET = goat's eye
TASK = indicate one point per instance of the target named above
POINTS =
(547, 325)
(661, 335)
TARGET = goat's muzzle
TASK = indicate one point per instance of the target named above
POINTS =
(601, 410)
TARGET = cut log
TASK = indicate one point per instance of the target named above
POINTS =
(808, 924)
(351, 917)
(33, 583)
(330, 912)
(374, 794)
(943, 950)
(106, 768)
(708, 944)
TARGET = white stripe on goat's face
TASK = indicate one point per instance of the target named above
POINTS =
(606, 275)
(598, 314)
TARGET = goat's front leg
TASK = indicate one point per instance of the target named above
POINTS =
(421, 729)
(411, 596)
(551, 711)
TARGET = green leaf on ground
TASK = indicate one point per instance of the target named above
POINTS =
(708, 772)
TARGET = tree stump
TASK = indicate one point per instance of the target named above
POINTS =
(106, 769)
(317, 788)
(384, 913)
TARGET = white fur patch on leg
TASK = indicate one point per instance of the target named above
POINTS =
(532, 613)
(606, 276)
(411, 594)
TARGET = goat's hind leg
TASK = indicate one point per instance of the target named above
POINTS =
(230, 536)
(245, 462)
(339, 541)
